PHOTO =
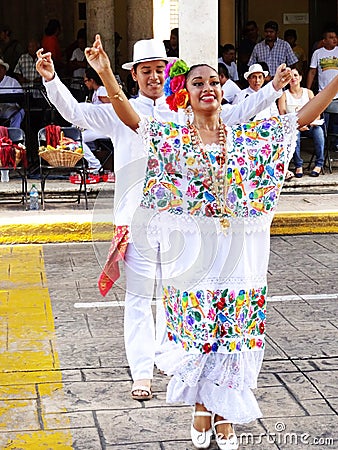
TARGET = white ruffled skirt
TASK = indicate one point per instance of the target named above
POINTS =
(223, 383)
(208, 364)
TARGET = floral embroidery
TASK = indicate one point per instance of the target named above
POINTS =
(255, 170)
(208, 320)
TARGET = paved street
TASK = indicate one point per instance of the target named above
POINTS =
(64, 378)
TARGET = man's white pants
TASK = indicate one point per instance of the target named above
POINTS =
(87, 137)
(142, 268)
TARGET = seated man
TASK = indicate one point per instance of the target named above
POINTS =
(229, 87)
(77, 65)
(98, 95)
(255, 76)
(9, 85)
(25, 70)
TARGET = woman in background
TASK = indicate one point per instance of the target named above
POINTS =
(292, 100)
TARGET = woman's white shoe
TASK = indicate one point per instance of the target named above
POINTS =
(201, 439)
(229, 443)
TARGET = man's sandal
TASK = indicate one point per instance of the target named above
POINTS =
(140, 391)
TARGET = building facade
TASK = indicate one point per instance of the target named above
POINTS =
(133, 19)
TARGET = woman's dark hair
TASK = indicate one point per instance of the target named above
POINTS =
(300, 72)
(195, 66)
(91, 74)
(52, 27)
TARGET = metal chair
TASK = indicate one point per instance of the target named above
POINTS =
(17, 136)
(80, 168)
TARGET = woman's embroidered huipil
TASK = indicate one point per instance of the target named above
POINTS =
(214, 284)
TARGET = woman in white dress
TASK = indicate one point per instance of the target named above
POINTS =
(291, 101)
(209, 196)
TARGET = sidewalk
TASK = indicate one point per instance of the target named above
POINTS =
(307, 205)
(64, 377)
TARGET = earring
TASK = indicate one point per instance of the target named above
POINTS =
(188, 115)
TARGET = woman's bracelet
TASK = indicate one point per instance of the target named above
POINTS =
(117, 95)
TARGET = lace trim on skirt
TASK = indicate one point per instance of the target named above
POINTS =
(222, 382)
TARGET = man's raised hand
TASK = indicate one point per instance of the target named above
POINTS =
(44, 65)
(97, 57)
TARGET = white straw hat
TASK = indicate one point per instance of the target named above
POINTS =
(147, 50)
(255, 68)
(2, 63)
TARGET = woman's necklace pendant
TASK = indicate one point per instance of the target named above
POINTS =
(217, 182)
(225, 224)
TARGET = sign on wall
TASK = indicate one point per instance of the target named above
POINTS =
(295, 18)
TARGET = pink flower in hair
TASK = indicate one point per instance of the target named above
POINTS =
(177, 83)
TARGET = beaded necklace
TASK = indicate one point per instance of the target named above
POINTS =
(217, 182)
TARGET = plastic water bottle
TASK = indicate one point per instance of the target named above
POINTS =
(33, 198)
(4, 176)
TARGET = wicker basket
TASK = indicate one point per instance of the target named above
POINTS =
(61, 158)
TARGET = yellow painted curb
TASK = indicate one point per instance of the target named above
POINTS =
(59, 232)
(305, 223)
(43, 233)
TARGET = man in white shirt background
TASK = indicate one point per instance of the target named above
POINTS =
(324, 64)
(228, 58)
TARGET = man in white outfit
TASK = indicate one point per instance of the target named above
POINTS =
(147, 68)
(94, 84)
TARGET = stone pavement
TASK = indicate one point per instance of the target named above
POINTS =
(64, 378)
(65, 382)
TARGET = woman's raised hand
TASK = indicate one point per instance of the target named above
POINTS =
(282, 77)
(44, 65)
(97, 57)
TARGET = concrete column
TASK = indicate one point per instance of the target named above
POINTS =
(198, 28)
(140, 22)
(100, 19)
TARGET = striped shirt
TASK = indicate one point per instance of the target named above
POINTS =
(280, 53)
(26, 68)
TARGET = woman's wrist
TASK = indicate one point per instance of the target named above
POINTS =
(117, 96)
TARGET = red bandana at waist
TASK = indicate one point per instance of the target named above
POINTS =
(117, 251)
